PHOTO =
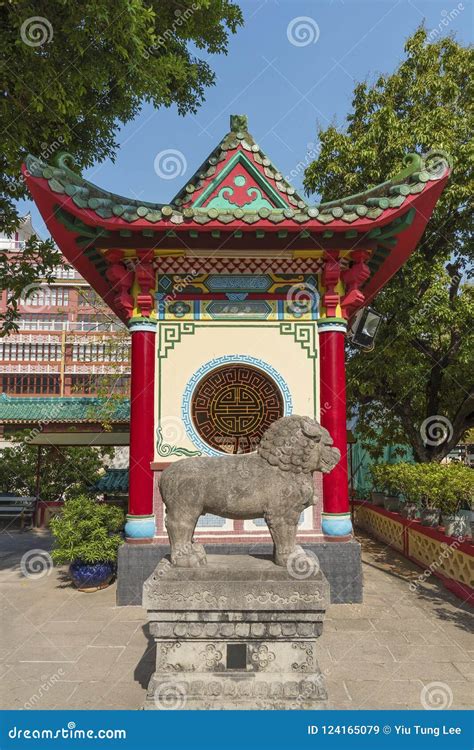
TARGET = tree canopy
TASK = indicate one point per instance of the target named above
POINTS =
(416, 385)
(74, 72)
(64, 471)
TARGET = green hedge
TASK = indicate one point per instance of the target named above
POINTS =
(447, 487)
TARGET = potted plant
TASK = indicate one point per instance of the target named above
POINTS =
(391, 500)
(378, 473)
(87, 535)
(457, 490)
(407, 480)
(427, 478)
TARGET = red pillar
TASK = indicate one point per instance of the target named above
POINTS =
(140, 519)
(336, 519)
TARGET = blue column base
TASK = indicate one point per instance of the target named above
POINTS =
(140, 527)
(336, 524)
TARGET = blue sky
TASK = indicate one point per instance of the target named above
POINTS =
(285, 88)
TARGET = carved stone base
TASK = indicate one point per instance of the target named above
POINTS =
(239, 633)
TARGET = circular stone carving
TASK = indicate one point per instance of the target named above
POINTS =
(233, 405)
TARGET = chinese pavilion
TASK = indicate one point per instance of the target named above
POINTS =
(237, 294)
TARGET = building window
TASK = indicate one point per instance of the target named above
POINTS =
(46, 296)
(92, 384)
(45, 322)
(98, 323)
(87, 297)
(29, 352)
(110, 351)
(30, 385)
(65, 272)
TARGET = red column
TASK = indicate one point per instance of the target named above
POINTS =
(336, 519)
(140, 519)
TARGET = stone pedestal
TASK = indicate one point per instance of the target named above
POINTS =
(340, 563)
(238, 633)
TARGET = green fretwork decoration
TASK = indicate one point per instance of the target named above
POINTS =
(165, 449)
(228, 192)
(304, 334)
(170, 334)
(255, 199)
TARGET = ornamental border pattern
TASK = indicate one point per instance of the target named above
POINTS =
(304, 334)
(170, 333)
(212, 365)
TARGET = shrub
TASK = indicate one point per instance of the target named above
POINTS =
(87, 531)
(456, 488)
(384, 478)
(379, 477)
(446, 487)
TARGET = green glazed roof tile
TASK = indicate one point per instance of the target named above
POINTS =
(411, 180)
(114, 481)
(61, 409)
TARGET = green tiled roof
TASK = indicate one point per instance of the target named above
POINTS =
(369, 204)
(62, 409)
(114, 482)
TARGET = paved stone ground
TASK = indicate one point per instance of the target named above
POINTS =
(410, 644)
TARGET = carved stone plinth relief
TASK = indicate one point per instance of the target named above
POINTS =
(238, 633)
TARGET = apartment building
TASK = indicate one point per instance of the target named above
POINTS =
(68, 343)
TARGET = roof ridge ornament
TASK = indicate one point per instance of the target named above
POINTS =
(437, 162)
(239, 123)
(64, 160)
(413, 163)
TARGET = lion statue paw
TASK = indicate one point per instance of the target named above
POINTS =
(189, 556)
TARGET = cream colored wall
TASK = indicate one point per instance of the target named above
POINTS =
(183, 347)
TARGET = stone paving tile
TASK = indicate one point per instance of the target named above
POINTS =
(378, 654)
(116, 633)
(40, 671)
(425, 670)
(436, 654)
(415, 625)
(126, 614)
(466, 668)
(31, 695)
(419, 639)
(87, 695)
(455, 695)
(74, 637)
(463, 639)
(368, 693)
(29, 652)
(337, 693)
(359, 668)
(96, 662)
(123, 695)
(101, 613)
(371, 653)
(390, 639)
(352, 625)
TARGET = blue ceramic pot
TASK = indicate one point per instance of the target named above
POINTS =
(91, 575)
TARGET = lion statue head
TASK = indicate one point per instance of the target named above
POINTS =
(298, 444)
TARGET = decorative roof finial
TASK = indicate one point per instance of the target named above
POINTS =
(238, 123)
(63, 160)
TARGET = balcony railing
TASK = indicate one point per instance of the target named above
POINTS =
(33, 368)
(69, 325)
(6, 243)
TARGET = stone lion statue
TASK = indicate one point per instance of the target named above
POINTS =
(274, 483)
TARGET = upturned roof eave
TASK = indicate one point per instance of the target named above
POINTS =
(186, 210)
(315, 225)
